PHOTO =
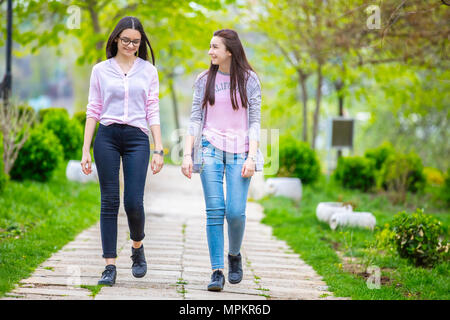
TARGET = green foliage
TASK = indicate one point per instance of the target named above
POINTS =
(297, 159)
(27, 109)
(445, 190)
(356, 172)
(403, 172)
(39, 156)
(395, 171)
(380, 154)
(383, 239)
(413, 118)
(68, 131)
(3, 175)
(433, 176)
(80, 116)
(418, 238)
(43, 113)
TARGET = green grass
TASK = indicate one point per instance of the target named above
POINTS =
(296, 223)
(37, 219)
(94, 289)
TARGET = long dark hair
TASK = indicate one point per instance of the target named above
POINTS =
(239, 71)
(129, 23)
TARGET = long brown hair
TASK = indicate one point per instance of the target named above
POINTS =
(129, 23)
(239, 71)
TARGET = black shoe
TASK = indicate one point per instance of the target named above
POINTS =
(139, 267)
(234, 268)
(217, 281)
(109, 275)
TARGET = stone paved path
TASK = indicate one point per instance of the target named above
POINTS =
(177, 256)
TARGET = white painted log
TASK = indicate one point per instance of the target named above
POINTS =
(325, 210)
(352, 219)
(287, 187)
(74, 172)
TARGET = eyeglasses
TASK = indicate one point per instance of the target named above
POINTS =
(126, 41)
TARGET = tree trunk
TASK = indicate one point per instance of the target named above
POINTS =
(318, 100)
(339, 85)
(302, 80)
(174, 100)
(96, 26)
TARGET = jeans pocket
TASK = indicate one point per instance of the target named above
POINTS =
(142, 133)
(207, 151)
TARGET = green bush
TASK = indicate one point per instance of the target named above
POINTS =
(80, 116)
(51, 111)
(27, 109)
(355, 172)
(3, 175)
(403, 172)
(445, 190)
(433, 176)
(380, 154)
(418, 238)
(298, 160)
(68, 131)
(39, 156)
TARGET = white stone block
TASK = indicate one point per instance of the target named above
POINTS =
(257, 189)
(74, 172)
(325, 210)
(287, 187)
(353, 219)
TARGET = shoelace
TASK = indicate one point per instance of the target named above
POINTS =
(234, 265)
(107, 273)
(216, 276)
(135, 259)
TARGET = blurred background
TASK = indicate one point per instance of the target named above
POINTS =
(316, 59)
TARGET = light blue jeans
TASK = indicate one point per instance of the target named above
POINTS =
(215, 164)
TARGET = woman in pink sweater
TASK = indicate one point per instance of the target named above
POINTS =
(123, 97)
(223, 140)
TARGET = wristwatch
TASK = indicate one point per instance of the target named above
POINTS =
(160, 152)
(253, 158)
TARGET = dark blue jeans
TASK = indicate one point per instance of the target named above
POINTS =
(132, 144)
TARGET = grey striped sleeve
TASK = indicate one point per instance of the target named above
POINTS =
(254, 110)
(196, 112)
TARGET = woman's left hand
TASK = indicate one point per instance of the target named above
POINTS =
(157, 163)
(248, 169)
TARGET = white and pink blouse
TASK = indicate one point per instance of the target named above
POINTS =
(132, 98)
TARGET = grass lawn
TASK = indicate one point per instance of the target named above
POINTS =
(37, 219)
(341, 256)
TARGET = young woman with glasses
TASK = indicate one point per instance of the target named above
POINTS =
(124, 98)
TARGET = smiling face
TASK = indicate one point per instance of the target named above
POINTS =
(130, 36)
(218, 52)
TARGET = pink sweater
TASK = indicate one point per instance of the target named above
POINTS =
(224, 127)
(131, 99)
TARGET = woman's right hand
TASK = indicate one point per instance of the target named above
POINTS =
(186, 166)
(86, 160)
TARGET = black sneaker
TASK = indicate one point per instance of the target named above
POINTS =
(109, 275)
(234, 268)
(217, 281)
(139, 267)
